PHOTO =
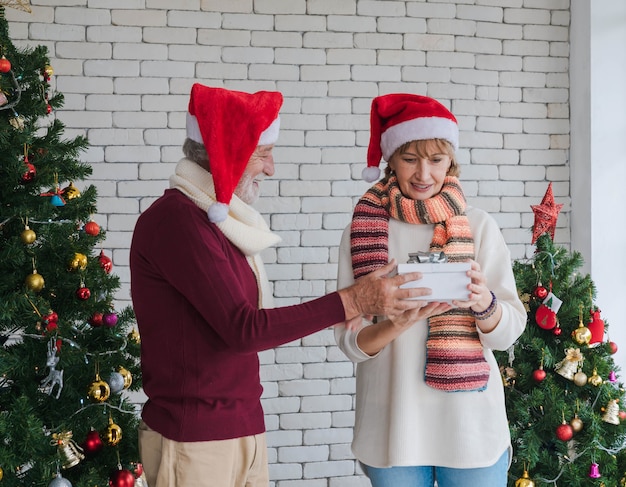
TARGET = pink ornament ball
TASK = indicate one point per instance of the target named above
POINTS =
(109, 319)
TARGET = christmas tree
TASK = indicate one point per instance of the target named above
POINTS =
(67, 356)
(562, 386)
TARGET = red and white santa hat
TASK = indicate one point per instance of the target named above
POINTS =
(399, 118)
(231, 124)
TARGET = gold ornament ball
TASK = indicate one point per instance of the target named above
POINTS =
(134, 337)
(79, 261)
(71, 192)
(582, 335)
(524, 481)
(114, 434)
(48, 70)
(99, 390)
(34, 282)
(28, 236)
(1, 473)
(595, 379)
(580, 378)
(576, 424)
(128, 378)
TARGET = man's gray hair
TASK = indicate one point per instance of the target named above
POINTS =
(196, 152)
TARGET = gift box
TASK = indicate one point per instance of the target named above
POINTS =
(447, 281)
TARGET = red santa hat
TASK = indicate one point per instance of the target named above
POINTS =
(399, 118)
(231, 124)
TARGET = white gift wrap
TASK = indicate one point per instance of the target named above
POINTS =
(448, 281)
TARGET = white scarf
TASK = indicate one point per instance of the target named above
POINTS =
(244, 227)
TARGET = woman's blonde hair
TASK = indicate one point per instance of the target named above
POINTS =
(421, 146)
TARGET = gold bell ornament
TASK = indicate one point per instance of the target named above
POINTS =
(524, 481)
(569, 365)
(18, 122)
(113, 433)
(71, 454)
(611, 412)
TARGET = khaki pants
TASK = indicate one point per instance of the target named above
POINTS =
(240, 462)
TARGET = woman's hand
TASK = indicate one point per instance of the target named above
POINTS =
(480, 296)
(372, 339)
(480, 299)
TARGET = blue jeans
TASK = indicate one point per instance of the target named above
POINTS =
(493, 476)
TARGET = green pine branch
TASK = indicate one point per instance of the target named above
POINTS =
(537, 409)
(48, 330)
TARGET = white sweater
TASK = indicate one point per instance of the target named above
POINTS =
(400, 421)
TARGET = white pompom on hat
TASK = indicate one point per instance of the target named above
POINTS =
(231, 124)
(398, 118)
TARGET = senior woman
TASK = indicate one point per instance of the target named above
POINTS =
(429, 397)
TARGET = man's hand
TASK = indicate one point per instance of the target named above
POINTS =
(379, 294)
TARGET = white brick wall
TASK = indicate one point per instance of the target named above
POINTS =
(126, 67)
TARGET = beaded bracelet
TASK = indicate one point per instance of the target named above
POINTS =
(491, 309)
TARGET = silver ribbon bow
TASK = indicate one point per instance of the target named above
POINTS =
(427, 258)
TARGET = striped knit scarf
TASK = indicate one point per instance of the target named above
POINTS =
(454, 354)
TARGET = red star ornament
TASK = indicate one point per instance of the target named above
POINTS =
(546, 215)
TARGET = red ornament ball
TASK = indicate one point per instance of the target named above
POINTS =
(30, 173)
(51, 326)
(613, 347)
(540, 292)
(105, 262)
(565, 432)
(96, 320)
(557, 331)
(51, 316)
(91, 228)
(93, 443)
(622, 415)
(539, 375)
(83, 293)
(138, 469)
(5, 65)
(122, 478)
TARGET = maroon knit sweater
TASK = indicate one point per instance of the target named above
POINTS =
(195, 299)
